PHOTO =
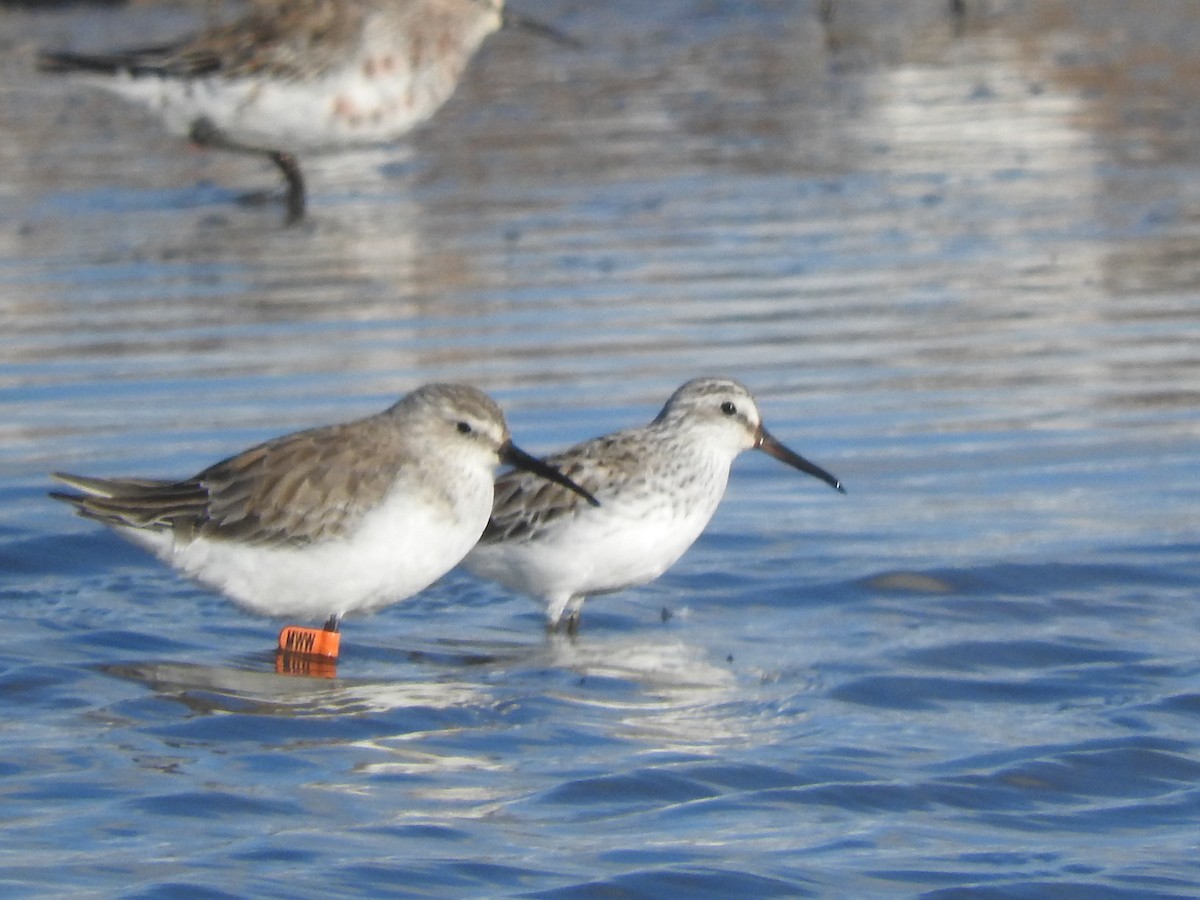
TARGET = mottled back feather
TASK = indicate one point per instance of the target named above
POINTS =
(294, 490)
(643, 456)
(524, 504)
(307, 486)
(299, 488)
(285, 39)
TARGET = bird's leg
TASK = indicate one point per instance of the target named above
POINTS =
(574, 611)
(294, 200)
(572, 623)
(567, 625)
(563, 614)
(204, 133)
(333, 623)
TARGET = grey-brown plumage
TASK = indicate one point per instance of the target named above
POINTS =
(295, 39)
(329, 520)
(303, 487)
(658, 486)
(295, 76)
(523, 508)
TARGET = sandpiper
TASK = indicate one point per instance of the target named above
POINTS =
(658, 486)
(295, 76)
(328, 521)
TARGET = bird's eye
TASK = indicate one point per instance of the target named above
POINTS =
(728, 408)
(464, 427)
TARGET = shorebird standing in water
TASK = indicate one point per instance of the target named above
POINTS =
(294, 76)
(333, 520)
(658, 487)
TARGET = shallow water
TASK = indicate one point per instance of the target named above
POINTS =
(956, 261)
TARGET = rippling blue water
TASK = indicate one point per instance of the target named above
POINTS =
(959, 266)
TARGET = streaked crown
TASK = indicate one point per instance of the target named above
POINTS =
(720, 407)
(453, 409)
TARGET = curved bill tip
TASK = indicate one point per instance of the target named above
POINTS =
(768, 445)
(533, 26)
(519, 459)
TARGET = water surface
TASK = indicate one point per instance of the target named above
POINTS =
(957, 261)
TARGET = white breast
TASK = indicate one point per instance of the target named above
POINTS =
(400, 548)
(628, 540)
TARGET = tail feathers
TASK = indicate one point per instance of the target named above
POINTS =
(166, 60)
(134, 502)
(112, 487)
(78, 62)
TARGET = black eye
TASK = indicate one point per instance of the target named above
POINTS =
(728, 408)
(464, 427)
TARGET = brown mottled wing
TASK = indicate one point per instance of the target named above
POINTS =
(525, 504)
(300, 488)
(281, 38)
(285, 38)
(133, 502)
(157, 60)
(294, 490)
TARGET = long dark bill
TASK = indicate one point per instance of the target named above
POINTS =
(519, 459)
(768, 445)
(533, 26)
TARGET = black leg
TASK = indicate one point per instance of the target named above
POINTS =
(333, 623)
(573, 623)
(205, 133)
(294, 199)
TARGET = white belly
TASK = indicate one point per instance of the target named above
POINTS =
(599, 551)
(335, 111)
(399, 549)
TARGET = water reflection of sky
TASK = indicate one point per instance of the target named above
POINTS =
(923, 250)
(959, 267)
